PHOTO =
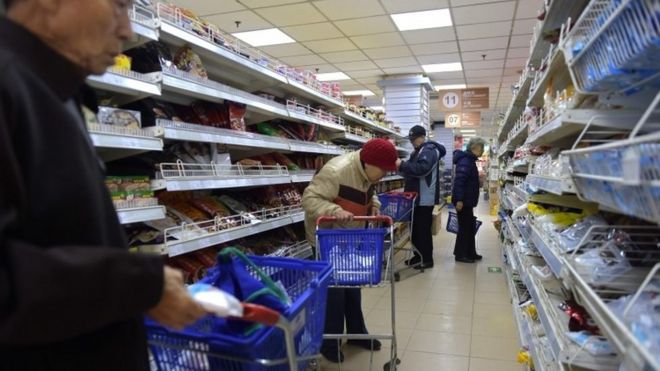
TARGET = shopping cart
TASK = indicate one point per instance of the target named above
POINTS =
(291, 343)
(360, 257)
(399, 206)
(452, 226)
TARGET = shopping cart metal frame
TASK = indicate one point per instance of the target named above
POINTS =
(387, 274)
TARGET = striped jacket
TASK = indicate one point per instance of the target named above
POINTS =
(341, 184)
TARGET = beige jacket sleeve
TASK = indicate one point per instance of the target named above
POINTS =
(319, 195)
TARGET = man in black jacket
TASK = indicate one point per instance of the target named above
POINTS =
(71, 296)
(465, 197)
(422, 175)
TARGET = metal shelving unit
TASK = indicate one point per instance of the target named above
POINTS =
(113, 142)
(127, 82)
(140, 214)
(558, 186)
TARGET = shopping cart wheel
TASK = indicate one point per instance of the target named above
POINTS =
(386, 367)
(397, 277)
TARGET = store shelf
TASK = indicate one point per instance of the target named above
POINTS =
(521, 193)
(141, 214)
(349, 137)
(180, 86)
(300, 250)
(185, 177)
(302, 176)
(355, 117)
(390, 178)
(308, 114)
(558, 186)
(516, 106)
(145, 26)
(311, 147)
(518, 134)
(192, 237)
(305, 91)
(544, 245)
(127, 82)
(555, 63)
(115, 142)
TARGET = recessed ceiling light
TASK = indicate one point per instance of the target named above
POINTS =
(270, 36)
(450, 87)
(421, 20)
(442, 67)
(332, 76)
(364, 93)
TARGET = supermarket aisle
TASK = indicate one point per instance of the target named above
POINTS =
(454, 317)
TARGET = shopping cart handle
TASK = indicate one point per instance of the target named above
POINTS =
(378, 218)
(259, 314)
(408, 195)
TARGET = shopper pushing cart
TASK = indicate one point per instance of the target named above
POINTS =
(345, 188)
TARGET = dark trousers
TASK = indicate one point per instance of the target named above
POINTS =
(343, 305)
(465, 246)
(422, 237)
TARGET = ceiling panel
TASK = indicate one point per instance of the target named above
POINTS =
(366, 73)
(502, 11)
(483, 73)
(487, 80)
(315, 31)
(445, 75)
(291, 15)
(434, 48)
(516, 62)
(349, 56)
(481, 30)
(378, 41)
(430, 35)
(402, 70)
(356, 66)
(513, 71)
(397, 62)
(439, 58)
(520, 41)
(528, 8)
(476, 56)
(303, 60)
(202, 8)
(250, 21)
(344, 9)
(403, 6)
(330, 45)
(456, 3)
(366, 26)
(263, 3)
(518, 52)
(524, 26)
(447, 81)
(285, 50)
(391, 52)
(482, 65)
(484, 44)
(368, 80)
(323, 68)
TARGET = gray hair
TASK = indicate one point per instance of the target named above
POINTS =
(476, 141)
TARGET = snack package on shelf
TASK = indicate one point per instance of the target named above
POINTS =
(210, 114)
(284, 160)
(211, 206)
(119, 117)
(150, 57)
(151, 110)
(136, 189)
(571, 236)
(122, 62)
(187, 60)
(236, 114)
(594, 344)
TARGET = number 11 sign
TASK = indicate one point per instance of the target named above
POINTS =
(450, 100)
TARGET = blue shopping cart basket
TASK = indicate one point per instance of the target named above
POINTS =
(199, 348)
(397, 205)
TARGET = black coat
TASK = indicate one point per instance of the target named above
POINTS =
(71, 296)
(418, 168)
(466, 179)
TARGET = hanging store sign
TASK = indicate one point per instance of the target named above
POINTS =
(462, 119)
(450, 100)
(465, 99)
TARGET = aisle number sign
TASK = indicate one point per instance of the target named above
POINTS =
(463, 119)
(465, 99)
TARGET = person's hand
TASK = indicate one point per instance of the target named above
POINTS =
(375, 211)
(176, 308)
(398, 164)
(459, 206)
(344, 216)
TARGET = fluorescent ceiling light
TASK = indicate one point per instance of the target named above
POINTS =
(422, 20)
(469, 135)
(442, 67)
(332, 76)
(377, 108)
(270, 36)
(450, 87)
(364, 93)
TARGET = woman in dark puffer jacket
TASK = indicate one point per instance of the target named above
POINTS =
(465, 196)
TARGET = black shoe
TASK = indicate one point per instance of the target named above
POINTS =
(332, 355)
(413, 261)
(477, 257)
(425, 265)
(464, 260)
(366, 344)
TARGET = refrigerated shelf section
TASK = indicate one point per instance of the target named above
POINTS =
(600, 294)
(196, 236)
(127, 82)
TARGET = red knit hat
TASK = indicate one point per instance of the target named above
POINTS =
(381, 153)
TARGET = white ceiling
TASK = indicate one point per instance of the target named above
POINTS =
(359, 38)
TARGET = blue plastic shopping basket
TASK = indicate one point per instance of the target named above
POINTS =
(356, 254)
(198, 348)
(452, 223)
(397, 205)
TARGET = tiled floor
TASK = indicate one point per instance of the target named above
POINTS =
(454, 317)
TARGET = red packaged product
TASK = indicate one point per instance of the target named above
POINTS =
(210, 114)
(211, 206)
(236, 113)
(206, 256)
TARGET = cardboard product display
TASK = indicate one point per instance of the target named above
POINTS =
(436, 224)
